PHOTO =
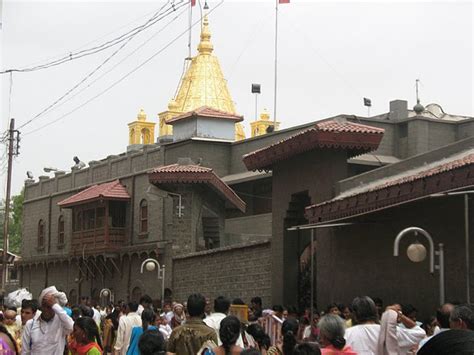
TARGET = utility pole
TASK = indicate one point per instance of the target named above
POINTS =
(13, 150)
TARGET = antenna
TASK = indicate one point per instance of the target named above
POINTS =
(417, 81)
(418, 108)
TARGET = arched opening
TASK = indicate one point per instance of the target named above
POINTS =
(41, 234)
(145, 137)
(143, 216)
(297, 265)
(61, 230)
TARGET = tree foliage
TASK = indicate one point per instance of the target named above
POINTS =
(14, 224)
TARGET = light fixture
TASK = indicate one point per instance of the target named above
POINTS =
(150, 266)
(29, 175)
(416, 252)
(79, 164)
(49, 169)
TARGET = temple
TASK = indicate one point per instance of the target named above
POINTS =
(203, 84)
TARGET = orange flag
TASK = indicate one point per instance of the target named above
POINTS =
(283, 1)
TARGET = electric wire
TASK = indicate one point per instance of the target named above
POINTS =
(123, 77)
(51, 58)
(48, 108)
(96, 49)
(110, 69)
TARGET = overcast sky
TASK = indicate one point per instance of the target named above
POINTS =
(331, 54)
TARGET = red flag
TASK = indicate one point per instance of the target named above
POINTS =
(193, 2)
(283, 1)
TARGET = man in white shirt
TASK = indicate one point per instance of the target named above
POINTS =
(145, 302)
(124, 332)
(221, 310)
(363, 338)
(47, 333)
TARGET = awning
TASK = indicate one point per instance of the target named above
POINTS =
(113, 190)
(338, 134)
(455, 172)
(195, 174)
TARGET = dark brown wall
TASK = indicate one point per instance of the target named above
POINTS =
(238, 271)
(358, 260)
(315, 172)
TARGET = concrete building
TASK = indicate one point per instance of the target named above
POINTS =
(216, 208)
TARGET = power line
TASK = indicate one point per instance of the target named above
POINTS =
(48, 108)
(96, 49)
(50, 58)
(123, 77)
(44, 112)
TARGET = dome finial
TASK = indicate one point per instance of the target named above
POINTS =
(205, 46)
(141, 115)
(418, 108)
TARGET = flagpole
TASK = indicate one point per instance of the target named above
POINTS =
(276, 66)
(190, 26)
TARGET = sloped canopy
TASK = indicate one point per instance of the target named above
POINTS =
(354, 137)
(207, 112)
(113, 190)
(195, 174)
(452, 173)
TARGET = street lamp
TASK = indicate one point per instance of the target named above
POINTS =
(417, 252)
(151, 264)
(106, 292)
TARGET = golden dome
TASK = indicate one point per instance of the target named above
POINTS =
(265, 116)
(173, 105)
(141, 115)
(203, 83)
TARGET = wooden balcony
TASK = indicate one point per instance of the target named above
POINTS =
(97, 240)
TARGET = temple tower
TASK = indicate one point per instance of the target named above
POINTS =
(203, 84)
(141, 131)
(263, 125)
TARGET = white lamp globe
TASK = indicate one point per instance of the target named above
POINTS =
(416, 252)
(105, 293)
(150, 266)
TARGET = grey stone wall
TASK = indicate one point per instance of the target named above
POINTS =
(238, 271)
(358, 259)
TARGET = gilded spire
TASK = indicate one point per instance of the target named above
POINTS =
(203, 84)
(141, 115)
(205, 46)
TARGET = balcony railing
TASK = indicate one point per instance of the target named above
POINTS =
(98, 240)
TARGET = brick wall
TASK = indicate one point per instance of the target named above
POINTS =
(239, 271)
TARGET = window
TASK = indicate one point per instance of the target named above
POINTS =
(117, 215)
(41, 234)
(89, 219)
(77, 221)
(61, 230)
(143, 216)
(100, 221)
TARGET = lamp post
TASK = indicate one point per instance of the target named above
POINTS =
(417, 252)
(151, 264)
(106, 292)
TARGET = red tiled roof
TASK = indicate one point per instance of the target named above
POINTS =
(327, 134)
(207, 112)
(113, 190)
(446, 176)
(195, 174)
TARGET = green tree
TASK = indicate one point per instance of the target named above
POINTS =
(14, 225)
(16, 221)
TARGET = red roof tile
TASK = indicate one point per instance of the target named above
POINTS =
(327, 134)
(337, 126)
(195, 174)
(448, 175)
(207, 112)
(113, 190)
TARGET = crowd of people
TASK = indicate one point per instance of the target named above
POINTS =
(51, 326)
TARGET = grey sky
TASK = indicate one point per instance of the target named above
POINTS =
(331, 54)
